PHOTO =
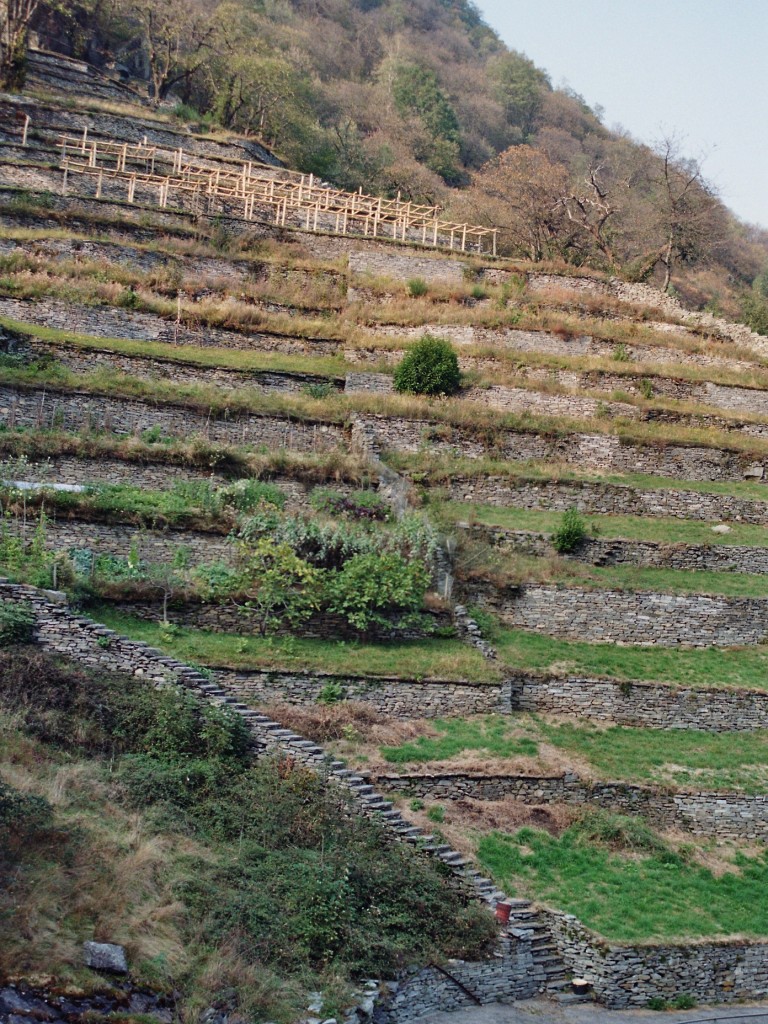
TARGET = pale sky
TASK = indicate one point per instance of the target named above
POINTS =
(694, 68)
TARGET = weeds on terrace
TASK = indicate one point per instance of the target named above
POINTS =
(197, 453)
(230, 888)
(484, 423)
(628, 884)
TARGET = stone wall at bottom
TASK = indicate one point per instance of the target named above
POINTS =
(630, 976)
(509, 976)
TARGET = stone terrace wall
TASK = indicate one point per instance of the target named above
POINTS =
(646, 553)
(121, 539)
(132, 325)
(640, 617)
(548, 343)
(394, 697)
(510, 976)
(629, 976)
(89, 360)
(405, 266)
(85, 472)
(726, 815)
(82, 410)
(191, 269)
(652, 705)
(603, 452)
(607, 499)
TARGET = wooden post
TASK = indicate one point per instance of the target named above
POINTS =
(495, 233)
(434, 239)
(92, 157)
(464, 238)
(452, 231)
(121, 158)
(317, 211)
(85, 137)
(98, 183)
(25, 130)
(131, 187)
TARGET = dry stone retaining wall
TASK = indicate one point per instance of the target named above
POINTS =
(76, 411)
(653, 705)
(645, 553)
(647, 704)
(391, 696)
(725, 815)
(606, 499)
(629, 976)
(603, 452)
(121, 540)
(133, 325)
(631, 617)
(88, 360)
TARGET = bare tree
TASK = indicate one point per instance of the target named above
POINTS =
(15, 19)
(687, 209)
(590, 208)
(177, 36)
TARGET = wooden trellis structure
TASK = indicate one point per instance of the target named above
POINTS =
(255, 186)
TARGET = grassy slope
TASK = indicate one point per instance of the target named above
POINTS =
(628, 896)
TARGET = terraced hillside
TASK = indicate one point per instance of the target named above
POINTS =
(534, 613)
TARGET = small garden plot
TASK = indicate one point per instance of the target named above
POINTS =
(494, 737)
(625, 882)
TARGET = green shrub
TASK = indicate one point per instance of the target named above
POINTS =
(658, 1003)
(620, 353)
(17, 623)
(683, 1002)
(331, 693)
(646, 388)
(436, 813)
(369, 588)
(430, 368)
(478, 292)
(417, 287)
(570, 533)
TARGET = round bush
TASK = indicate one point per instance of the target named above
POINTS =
(430, 368)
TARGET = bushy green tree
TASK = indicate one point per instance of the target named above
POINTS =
(371, 586)
(430, 368)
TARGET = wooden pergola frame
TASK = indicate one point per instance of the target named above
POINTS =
(256, 184)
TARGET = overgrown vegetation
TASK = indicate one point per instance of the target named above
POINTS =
(258, 880)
